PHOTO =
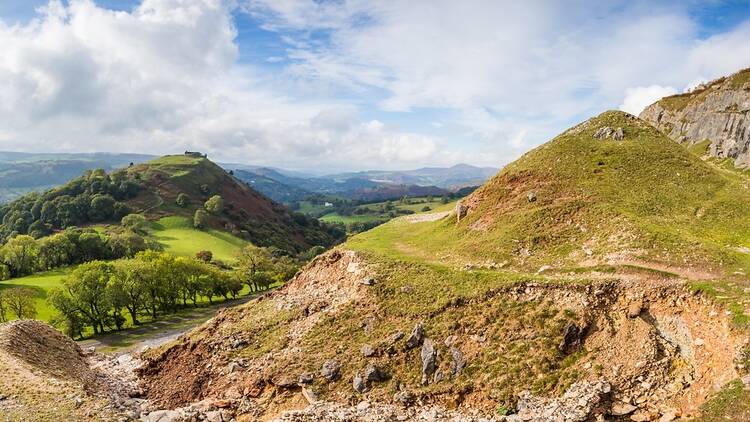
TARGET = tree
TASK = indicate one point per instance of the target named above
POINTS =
(182, 200)
(55, 251)
(200, 219)
(253, 261)
(20, 254)
(68, 317)
(214, 205)
(87, 290)
(102, 207)
(134, 222)
(3, 308)
(20, 301)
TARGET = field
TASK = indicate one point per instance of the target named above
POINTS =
(178, 236)
(379, 211)
(174, 233)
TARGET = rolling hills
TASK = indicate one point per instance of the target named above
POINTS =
(152, 189)
(601, 275)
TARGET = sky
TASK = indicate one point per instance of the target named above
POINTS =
(341, 85)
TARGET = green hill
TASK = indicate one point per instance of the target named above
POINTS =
(579, 200)
(152, 189)
(608, 259)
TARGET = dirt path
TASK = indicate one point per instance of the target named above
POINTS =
(159, 332)
(424, 218)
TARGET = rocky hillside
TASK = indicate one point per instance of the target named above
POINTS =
(599, 277)
(716, 112)
(46, 376)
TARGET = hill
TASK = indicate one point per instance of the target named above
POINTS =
(599, 276)
(454, 177)
(714, 115)
(152, 189)
(21, 173)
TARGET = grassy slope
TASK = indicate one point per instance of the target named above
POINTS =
(375, 215)
(41, 283)
(178, 236)
(600, 194)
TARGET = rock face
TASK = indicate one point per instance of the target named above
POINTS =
(579, 403)
(717, 111)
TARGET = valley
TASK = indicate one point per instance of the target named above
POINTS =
(348, 211)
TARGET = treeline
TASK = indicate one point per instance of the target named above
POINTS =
(104, 295)
(94, 197)
(23, 255)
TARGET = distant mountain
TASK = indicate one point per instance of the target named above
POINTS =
(454, 177)
(21, 172)
(375, 185)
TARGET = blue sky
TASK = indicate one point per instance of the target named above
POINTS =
(349, 84)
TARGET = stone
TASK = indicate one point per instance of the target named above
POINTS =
(458, 362)
(531, 197)
(374, 374)
(236, 344)
(746, 382)
(367, 351)
(367, 281)
(363, 405)
(622, 409)
(330, 370)
(305, 379)
(578, 404)
(429, 361)
(461, 211)
(404, 397)
(719, 114)
(603, 132)
(359, 383)
(398, 335)
(572, 338)
(619, 134)
(164, 416)
(214, 416)
(416, 337)
(309, 395)
(233, 367)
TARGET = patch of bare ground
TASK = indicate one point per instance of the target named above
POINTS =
(46, 376)
(639, 346)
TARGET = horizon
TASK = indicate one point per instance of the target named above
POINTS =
(345, 86)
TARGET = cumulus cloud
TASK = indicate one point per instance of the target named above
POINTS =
(503, 76)
(636, 99)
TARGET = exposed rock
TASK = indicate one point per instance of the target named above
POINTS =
(461, 211)
(404, 397)
(331, 370)
(622, 409)
(367, 281)
(572, 338)
(305, 379)
(717, 111)
(359, 383)
(531, 197)
(429, 361)
(398, 335)
(164, 416)
(309, 395)
(576, 405)
(374, 374)
(619, 134)
(603, 132)
(458, 362)
(416, 337)
(367, 351)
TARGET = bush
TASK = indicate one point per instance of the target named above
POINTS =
(205, 256)
(182, 200)
(215, 205)
(200, 219)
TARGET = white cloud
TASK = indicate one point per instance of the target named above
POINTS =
(504, 77)
(636, 99)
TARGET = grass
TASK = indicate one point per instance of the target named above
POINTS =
(179, 237)
(732, 403)
(41, 283)
(375, 211)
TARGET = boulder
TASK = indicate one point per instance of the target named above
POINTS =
(404, 397)
(619, 134)
(359, 383)
(429, 361)
(331, 370)
(458, 362)
(531, 197)
(367, 351)
(416, 337)
(374, 374)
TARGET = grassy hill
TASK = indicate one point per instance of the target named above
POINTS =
(590, 258)
(179, 237)
(152, 189)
